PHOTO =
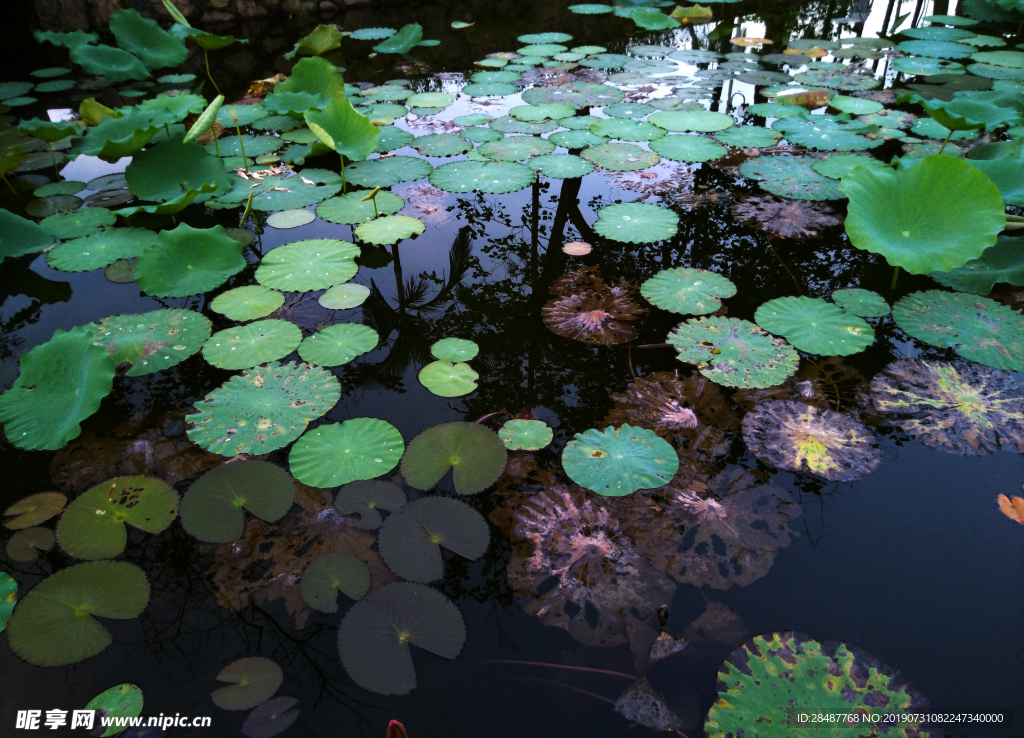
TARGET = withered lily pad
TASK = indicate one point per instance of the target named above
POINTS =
(154, 341)
(588, 309)
(410, 541)
(34, 509)
(787, 218)
(365, 497)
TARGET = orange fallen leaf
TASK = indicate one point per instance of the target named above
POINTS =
(793, 52)
(1014, 509)
(815, 53)
(810, 99)
(751, 41)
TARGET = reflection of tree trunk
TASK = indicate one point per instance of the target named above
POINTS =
(940, 7)
(399, 288)
(888, 15)
(534, 231)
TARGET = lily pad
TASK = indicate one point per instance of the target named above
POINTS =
(748, 136)
(687, 291)
(516, 148)
(285, 219)
(188, 261)
(100, 249)
(364, 497)
(372, 34)
(1000, 263)
(825, 135)
(447, 379)
(625, 129)
(489, 177)
(253, 681)
(271, 718)
(636, 223)
(262, 408)
(561, 166)
(791, 177)
(344, 296)
(247, 303)
(865, 303)
(619, 461)
(454, 349)
(330, 573)
(441, 144)
(401, 42)
(213, 508)
(314, 264)
(410, 541)
(392, 138)
(34, 509)
(390, 229)
(701, 121)
(338, 453)
(688, 148)
(474, 451)
(338, 344)
(838, 166)
(254, 343)
(525, 435)
(153, 341)
(353, 207)
(387, 172)
(25, 544)
(577, 94)
(815, 326)
(81, 222)
(121, 701)
(576, 139)
(734, 353)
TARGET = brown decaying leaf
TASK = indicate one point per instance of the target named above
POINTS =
(263, 87)
(828, 383)
(1013, 509)
(588, 309)
(787, 218)
(642, 705)
(810, 99)
(666, 179)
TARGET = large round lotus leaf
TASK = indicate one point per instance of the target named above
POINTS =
(619, 461)
(276, 192)
(364, 497)
(338, 453)
(77, 223)
(147, 40)
(441, 144)
(454, 349)
(576, 139)
(338, 344)
(636, 222)
(687, 291)
(701, 121)
(791, 177)
(865, 303)
(1000, 263)
(121, 701)
(152, 341)
(54, 623)
(255, 343)
(375, 635)
(975, 327)
(26, 544)
(330, 573)
(93, 526)
(932, 33)
(934, 216)
(353, 208)
(838, 166)
(392, 138)
(62, 382)
(689, 148)
(253, 681)
(542, 112)
(824, 135)
(411, 541)
(936, 49)
(163, 172)
(445, 379)
(387, 172)
(474, 451)
(487, 89)
(247, 303)
(775, 677)
(34, 509)
(390, 229)
(262, 408)
(734, 353)
(516, 148)
(187, 261)
(959, 408)
(561, 166)
(100, 249)
(747, 137)
(620, 157)
(924, 66)
(577, 94)
(836, 80)
(314, 264)
(344, 296)
(525, 435)
(493, 178)
(113, 64)
(815, 326)
(800, 437)
(481, 135)
(212, 508)
(625, 129)
(8, 598)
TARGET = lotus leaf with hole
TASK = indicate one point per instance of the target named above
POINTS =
(34, 509)
(121, 701)
(100, 249)
(687, 291)
(364, 497)
(734, 353)
(525, 435)
(213, 508)
(865, 303)
(619, 461)
(255, 343)
(338, 344)
(154, 341)
(815, 326)
(390, 229)
(314, 264)
(636, 223)
(247, 303)
(338, 453)
(188, 261)
(253, 681)
(475, 453)
(410, 541)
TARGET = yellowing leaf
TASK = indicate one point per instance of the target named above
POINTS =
(1013, 509)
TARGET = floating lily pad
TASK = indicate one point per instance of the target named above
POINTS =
(314, 264)
(791, 177)
(577, 94)
(338, 344)
(576, 139)
(54, 624)
(392, 138)
(688, 148)
(825, 135)
(748, 137)
(590, 9)
(390, 229)
(525, 435)
(100, 249)
(271, 718)
(620, 157)
(247, 303)
(516, 148)
(121, 701)
(734, 353)
(636, 223)
(838, 166)
(364, 497)
(865, 303)
(330, 573)
(276, 192)
(344, 296)
(253, 681)
(447, 379)
(338, 453)
(542, 112)
(262, 408)
(701, 121)
(454, 349)
(507, 124)
(121, 271)
(372, 34)
(213, 508)
(410, 541)
(815, 326)
(78, 223)
(285, 219)
(489, 177)
(353, 208)
(34, 509)
(26, 544)
(687, 291)
(619, 461)
(387, 172)
(255, 343)
(154, 341)
(474, 451)
(625, 129)
(188, 261)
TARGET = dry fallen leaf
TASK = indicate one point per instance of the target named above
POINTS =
(279, 189)
(307, 181)
(1013, 509)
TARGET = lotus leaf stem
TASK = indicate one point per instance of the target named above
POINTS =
(248, 210)
(561, 666)
(791, 276)
(491, 415)
(895, 274)
(941, 148)
(167, 131)
(344, 187)
(8, 183)
(206, 56)
(54, 157)
(373, 198)
(241, 144)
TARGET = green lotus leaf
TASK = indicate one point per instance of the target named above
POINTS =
(62, 382)
(825, 135)
(1003, 165)
(254, 343)
(340, 127)
(212, 509)
(55, 623)
(778, 110)
(636, 222)
(951, 20)
(865, 303)
(590, 8)
(1010, 59)
(924, 66)
(25, 545)
(319, 41)
(936, 49)
(687, 291)
(12, 90)
(508, 124)
(330, 573)
(122, 136)
(401, 42)
(577, 94)
(748, 136)
(364, 497)
(934, 216)
(338, 344)
(620, 157)
(145, 39)
(253, 146)
(607, 61)
(19, 236)
(474, 451)
(64, 187)
(931, 33)
(247, 303)
(344, 296)
(653, 20)
(81, 222)
(542, 112)
(480, 119)
(372, 34)
(392, 138)
(688, 148)
(701, 121)
(154, 341)
(338, 453)
(315, 76)
(109, 62)
(277, 192)
(163, 172)
(838, 166)
(931, 128)
(975, 327)
(489, 89)
(445, 379)
(629, 110)
(121, 701)
(93, 525)
(431, 100)
(969, 110)
(34, 509)
(243, 115)
(516, 148)
(253, 681)
(387, 172)
(49, 131)
(575, 139)
(626, 129)
(619, 461)
(179, 106)
(454, 349)
(561, 166)
(525, 435)
(188, 261)
(171, 207)
(541, 50)
(390, 229)
(1003, 262)
(837, 80)
(286, 219)
(121, 271)
(815, 326)
(410, 541)
(353, 207)
(52, 205)
(441, 144)
(791, 177)
(314, 264)
(279, 123)
(854, 105)
(779, 675)
(548, 37)
(374, 637)
(734, 353)
(262, 408)
(490, 177)
(68, 40)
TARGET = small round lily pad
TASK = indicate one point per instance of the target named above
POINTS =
(474, 451)
(636, 222)
(390, 229)
(365, 497)
(330, 573)
(78, 223)
(152, 341)
(26, 544)
(387, 172)
(255, 343)
(619, 461)
(34, 509)
(525, 435)
(247, 303)
(344, 296)
(865, 303)
(688, 148)
(734, 353)
(490, 177)
(121, 701)
(813, 325)
(620, 157)
(253, 681)
(338, 344)
(447, 379)
(284, 219)
(687, 291)
(410, 541)
(454, 349)
(314, 264)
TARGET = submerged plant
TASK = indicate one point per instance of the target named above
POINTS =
(588, 309)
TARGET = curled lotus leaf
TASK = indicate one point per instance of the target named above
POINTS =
(636, 222)
(787, 218)
(153, 341)
(365, 497)
(446, 379)
(960, 408)
(525, 435)
(254, 343)
(338, 453)
(975, 327)
(577, 94)
(213, 508)
(313, 264)
(25, 544)
(262, 408)
(865, 303)
(587, 309)
(620, 157)
(331, 573)
(733, 352)
(813, 325)
(1000, 263)
(800, 437)
(777, 675)
(247, 303)
(338, 344)
(34, 509)
(120, 701)
(410, 541)
(619, 461)
(474, 452)
(687, 291)
(187, 261)
(253, 681)
(475, 176)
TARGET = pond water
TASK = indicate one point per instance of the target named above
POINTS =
(801, 503)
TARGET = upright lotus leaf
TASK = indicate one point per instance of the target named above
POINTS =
(525, 435)
(206, 41)
(271, 718)
(772, 679)
(968, 110)
(25, 544)
(154, 341)
(34, 509)
(338, 453)
(263, 408)
(1003, 262)
(402, 42)
(61, 383)
(212, 509)
(254, 343)
(247, 303)
(54, 623)
(865, 303)
(975, 327)
(934, 216)
(49, 131)
(960, 408)
(619, 461)
(364, 497)
(205, 121)
(375, 636)
(19, 236)
(338, 344)
(315, 76)
(314, 264)
(454, 349)
(122, 136)
(319, 41)
(122, 701)
(100, 249)
(330, 573)
(93, 526)
(253, 681)
(145, 39)
(163, 172)
(474, 451)
(8, 598)
(188, 261)
(349, 133)
(815, 326)
(636, 222)
(93, 113)
(687, 291)
(411, 540)
(178, 106)
(733, 352)
(109, 62)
